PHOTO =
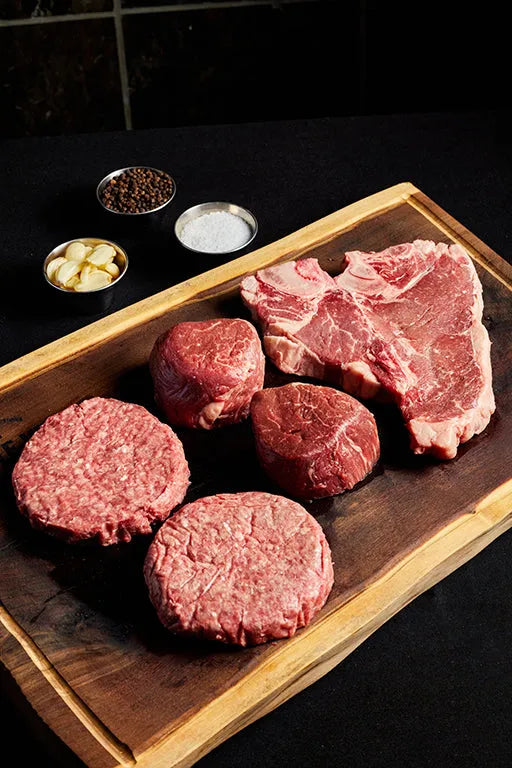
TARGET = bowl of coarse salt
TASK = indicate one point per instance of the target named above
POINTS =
(216, 228)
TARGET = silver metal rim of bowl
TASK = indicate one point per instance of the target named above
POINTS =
(202, 208)
(103, 183)
(62, 247)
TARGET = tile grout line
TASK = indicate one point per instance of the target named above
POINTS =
(276, 4)
(123, 69)
(33, 20)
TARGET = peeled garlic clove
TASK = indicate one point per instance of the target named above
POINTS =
(113, 269)
(86, 271)
(94, 281)
(101, 255)
(88, 249)
(76, 252)
(66, 271)
(72, 282)
(53, 266)
(98, 280)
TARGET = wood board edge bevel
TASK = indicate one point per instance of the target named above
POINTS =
(44, 713)
(154, 306)
(481, 253)
(80, 711)
(312, 653)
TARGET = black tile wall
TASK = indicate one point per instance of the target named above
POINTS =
(19, 9)
(261, 60)
(436, 59)
(59, 78)
(152, 3)
(238, 64)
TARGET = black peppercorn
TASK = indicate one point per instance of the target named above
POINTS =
(137, 190)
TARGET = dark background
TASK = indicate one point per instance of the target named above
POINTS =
(70, 66)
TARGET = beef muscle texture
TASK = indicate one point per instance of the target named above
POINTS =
(313, 441)
(405, 323)
(101, 469)
(205, 373)
(241, 568)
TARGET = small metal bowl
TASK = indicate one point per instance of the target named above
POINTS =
(199, 210)
(87, 302)
(103, 183)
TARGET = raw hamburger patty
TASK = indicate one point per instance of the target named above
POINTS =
(241, 568)
(205, 373)
(313, 441)
(101, 468)
(406, 321)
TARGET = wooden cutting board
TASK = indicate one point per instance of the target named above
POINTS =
(80, 642)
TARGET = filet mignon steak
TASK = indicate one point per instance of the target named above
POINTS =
(313, 441)
(205, 373)
(102, 469)
(242, 568)
(406, 322)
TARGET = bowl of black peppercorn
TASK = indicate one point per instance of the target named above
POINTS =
(136, 190)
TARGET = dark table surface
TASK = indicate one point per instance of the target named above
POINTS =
(432, 687)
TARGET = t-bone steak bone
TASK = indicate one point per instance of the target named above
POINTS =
(313, 441)
(406, 321)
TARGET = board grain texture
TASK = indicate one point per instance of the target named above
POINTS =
(80, 643)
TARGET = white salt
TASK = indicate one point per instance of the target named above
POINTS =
(216, 232)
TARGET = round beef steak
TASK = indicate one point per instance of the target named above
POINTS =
(104, 469)
(313, 441)
(242, 568)
(205, 373)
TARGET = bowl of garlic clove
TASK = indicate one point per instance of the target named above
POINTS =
(85, 272)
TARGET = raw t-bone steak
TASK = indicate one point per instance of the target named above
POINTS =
(405, 322)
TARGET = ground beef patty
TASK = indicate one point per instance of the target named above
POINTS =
(101, 468)
(313, 441)
(241, 568)
(205, 373)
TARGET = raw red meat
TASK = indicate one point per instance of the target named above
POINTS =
(406, 322)
(205, 373)
(313, 441)
(102, 469)
(241, 568)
